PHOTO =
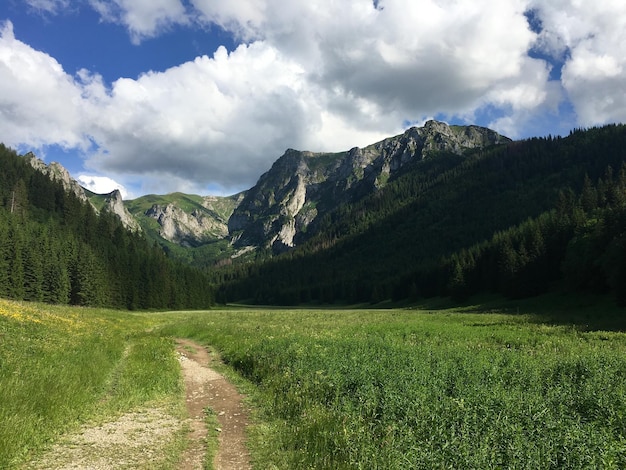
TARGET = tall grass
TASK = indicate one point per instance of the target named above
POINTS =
(334, 389)
(405, 389)
(61, 366)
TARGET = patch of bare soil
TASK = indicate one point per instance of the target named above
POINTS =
(139, 440)
(206, 388)
(133, 441)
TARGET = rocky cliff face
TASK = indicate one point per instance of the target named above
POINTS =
(115, 204)
(280, 210)
(191, 220)
(186, 229)
(57, 172)
(300, 186)
(112, 202)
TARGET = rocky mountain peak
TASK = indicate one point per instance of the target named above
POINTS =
(114, 203)
(299, 186)
(282, 209)
(57, 172)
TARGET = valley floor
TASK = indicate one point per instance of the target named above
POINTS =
(533, 384)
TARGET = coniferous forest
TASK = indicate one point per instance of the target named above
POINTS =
(526, 218)
(520, 219)
(55, 248)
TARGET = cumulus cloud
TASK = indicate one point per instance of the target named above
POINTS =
(590, 38)
(39, 103)
(417, 58)
(220, 119)
(101, 185)
(142, 18)
(315, 75)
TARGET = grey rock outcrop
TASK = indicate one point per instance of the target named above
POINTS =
(115, 204)
(186, 229)
(56, 172)
(300, 186)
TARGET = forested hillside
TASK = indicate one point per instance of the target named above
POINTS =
(55, 248)
(520, 219)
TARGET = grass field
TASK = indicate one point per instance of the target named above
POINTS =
(61, 367)
(425, 388)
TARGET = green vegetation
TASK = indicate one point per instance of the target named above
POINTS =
(97, 200)
(518, 387)
(61, 367)
(55, 248)
(424, 389)
(528, 217)
(201, 255)
(187, 202)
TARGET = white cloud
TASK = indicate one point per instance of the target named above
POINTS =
(412, 57)
(591, 37)
(101, 185)
(220, 120)
(314, 75)
(39, 102)
(142, 18)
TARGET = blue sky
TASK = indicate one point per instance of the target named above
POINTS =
(202, 96)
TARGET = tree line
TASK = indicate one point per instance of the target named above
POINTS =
(521, 219)
(55, 248)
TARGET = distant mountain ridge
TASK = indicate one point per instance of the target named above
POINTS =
(112, 201)
(185, 219)
(436, 211)
(281, 209)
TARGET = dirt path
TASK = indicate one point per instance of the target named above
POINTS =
(142, 439)
(206, 388)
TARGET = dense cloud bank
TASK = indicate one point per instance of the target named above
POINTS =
(315, 75)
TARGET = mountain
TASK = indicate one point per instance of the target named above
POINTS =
(301, 187)
(111, 202)
(183, 219)
(518, 219)
(61, 244)
(177, 220)
(285, 206)
(56, 172)
(437, 210)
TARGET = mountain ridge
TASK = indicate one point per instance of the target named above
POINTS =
(389, 221)
(287, 199)
(520, 219)
(280, 210)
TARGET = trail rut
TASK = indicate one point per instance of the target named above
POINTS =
(139, 439)
(207, 388)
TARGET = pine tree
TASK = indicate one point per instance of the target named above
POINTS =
(16, 260)
(5, 264)
(18, 202)
(457, 287)
(33, 268)
(588, 196)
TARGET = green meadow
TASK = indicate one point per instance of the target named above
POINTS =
(61, 367)
(494, 386)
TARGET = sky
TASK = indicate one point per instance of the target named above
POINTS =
(202, 96)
